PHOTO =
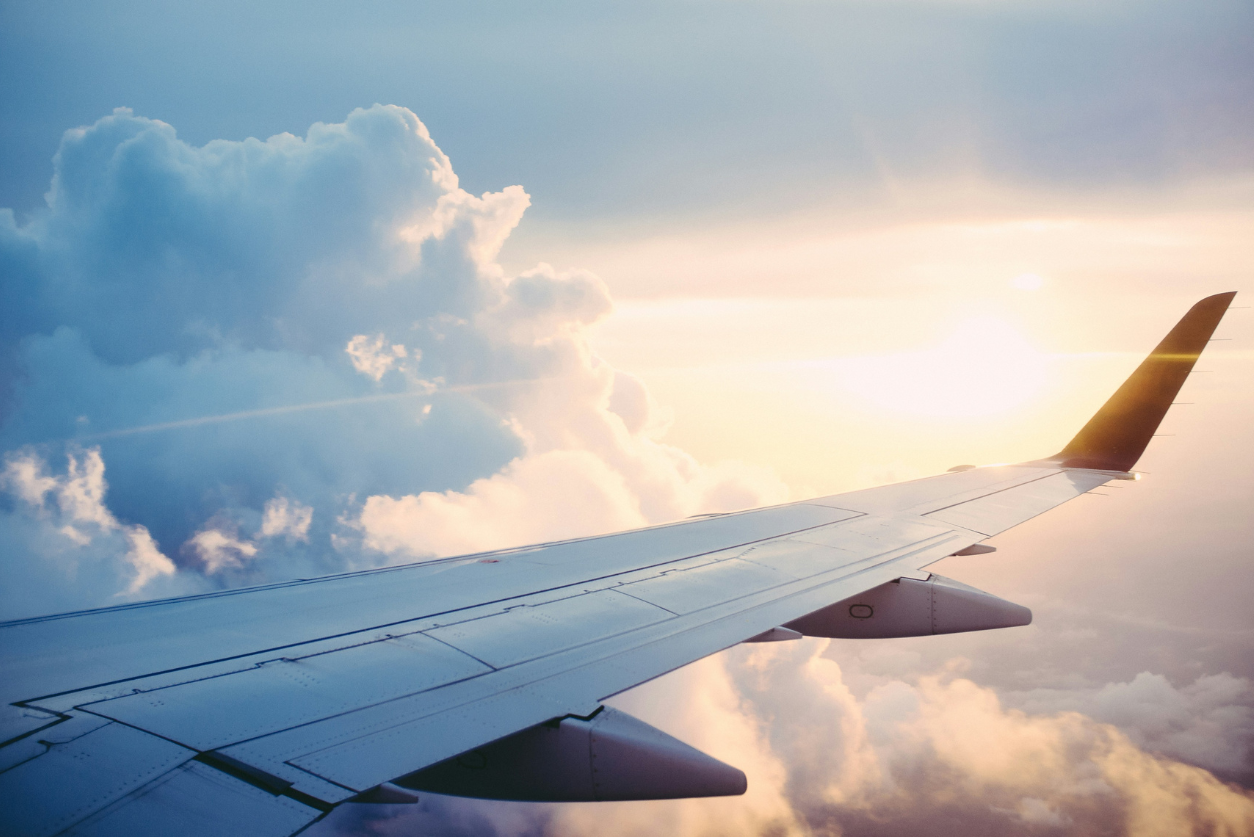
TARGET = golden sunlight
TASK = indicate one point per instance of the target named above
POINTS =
(984, 367)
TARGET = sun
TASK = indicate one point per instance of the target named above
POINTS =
(984, 367)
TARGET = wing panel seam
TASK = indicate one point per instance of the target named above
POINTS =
(991, 494)
(32, 701)
(546, 663)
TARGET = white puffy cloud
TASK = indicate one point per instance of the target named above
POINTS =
(62, 535)
(219, 549)
(939, 747)
(286, 517)
(571, 492)
(1209, 722)
(371, 357)
(321, 319)
(25, 478)
(927, 753)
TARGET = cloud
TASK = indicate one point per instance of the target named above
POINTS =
(62, 541)
(573, 492)
(933, 753)
(1209, 722)
(939, 748)
(310, 339)
(219, 549)
(286, 517)
(371, 358)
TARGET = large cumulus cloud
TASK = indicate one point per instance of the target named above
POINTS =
(294, 356)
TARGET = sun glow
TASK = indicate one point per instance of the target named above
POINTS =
(984, 367)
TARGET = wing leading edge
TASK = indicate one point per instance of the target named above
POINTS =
(258, 710)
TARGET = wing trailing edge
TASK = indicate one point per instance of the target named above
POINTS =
(1116, 436)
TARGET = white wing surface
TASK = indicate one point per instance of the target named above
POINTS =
(256, 711)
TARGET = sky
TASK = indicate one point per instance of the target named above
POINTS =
(302, 288)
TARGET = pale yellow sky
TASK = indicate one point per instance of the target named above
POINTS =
(866, 356)
(962, 239)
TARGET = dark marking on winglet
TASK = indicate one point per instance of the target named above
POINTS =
(1115, 438)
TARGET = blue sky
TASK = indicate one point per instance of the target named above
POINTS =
(726, 106)
(595, 267)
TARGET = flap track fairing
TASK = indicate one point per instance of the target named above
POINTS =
(910, 607)
(608, 756)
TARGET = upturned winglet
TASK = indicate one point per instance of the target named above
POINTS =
(1115, 438)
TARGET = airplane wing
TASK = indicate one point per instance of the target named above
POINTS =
(256, 711)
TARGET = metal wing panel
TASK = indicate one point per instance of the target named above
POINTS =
(633, 550)
(526, 633)
(389, 741)
(283, 693)
(872, 535)
(65, 729)
(794, 558)
(198, 801)
(17, 721)
(379, 743)
(923, 495)
(341, 725)
(995, 513)
(695, 589)
(71, 652)
(74, 778)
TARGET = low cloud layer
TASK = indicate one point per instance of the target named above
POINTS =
(929, 753)
(250, 361)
